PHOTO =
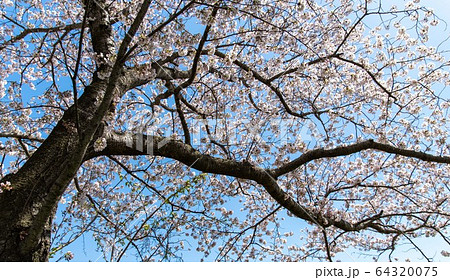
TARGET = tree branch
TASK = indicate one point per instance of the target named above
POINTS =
(20, 136)
(352, 149)
(266, 82)
(29, 31)
(125, 144)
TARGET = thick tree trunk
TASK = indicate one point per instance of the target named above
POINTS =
(16, 224)
(27, 210)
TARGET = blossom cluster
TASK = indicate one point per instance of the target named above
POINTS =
(335, 72)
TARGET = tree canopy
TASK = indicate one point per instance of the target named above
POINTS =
(237, 130)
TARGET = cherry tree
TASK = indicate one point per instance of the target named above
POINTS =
(158, 127)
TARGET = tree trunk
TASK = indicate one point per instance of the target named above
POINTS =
(16, 224)
(27, 210)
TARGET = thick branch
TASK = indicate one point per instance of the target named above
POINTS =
(20, 136)
(352, 149)
(123, 144)
(29, 31)
(143, 74)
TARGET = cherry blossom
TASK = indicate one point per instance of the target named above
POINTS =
(222, 130)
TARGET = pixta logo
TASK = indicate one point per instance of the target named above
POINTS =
(229, 132)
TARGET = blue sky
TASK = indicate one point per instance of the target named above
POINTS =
(85, 248)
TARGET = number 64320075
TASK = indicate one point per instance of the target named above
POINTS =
(406, 271)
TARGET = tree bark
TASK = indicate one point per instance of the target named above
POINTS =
(28, 208)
